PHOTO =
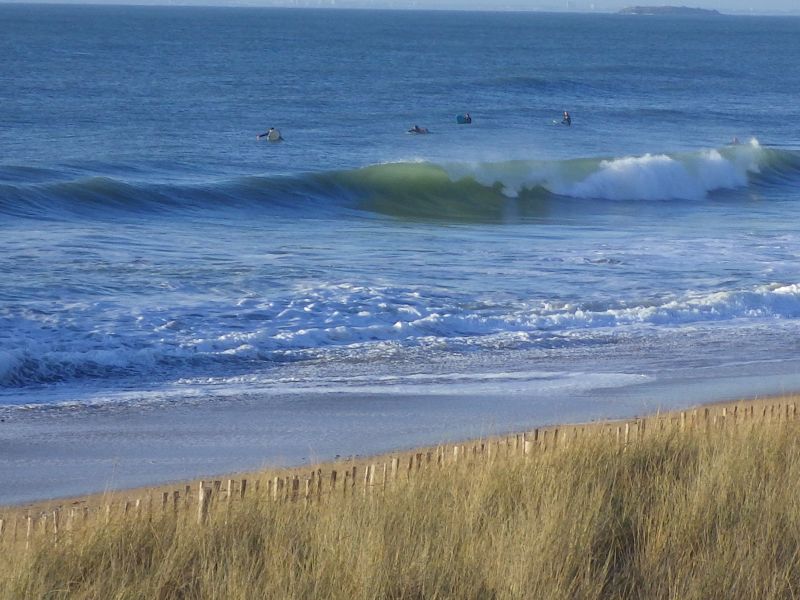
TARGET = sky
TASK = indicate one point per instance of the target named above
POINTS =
(724, 6)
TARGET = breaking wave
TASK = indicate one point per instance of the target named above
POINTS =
(457, 190)
(349, 321)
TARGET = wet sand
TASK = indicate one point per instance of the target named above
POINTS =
(151, 458)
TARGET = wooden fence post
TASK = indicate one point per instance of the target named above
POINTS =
(29, 532)
(203, 501)
(56, 523)
(275, 485)
(71, 520)
(368, 479)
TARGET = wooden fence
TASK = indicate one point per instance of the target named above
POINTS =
(20, 528)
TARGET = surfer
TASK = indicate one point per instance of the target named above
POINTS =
(418, 129)
(272, 135)
(567, 120)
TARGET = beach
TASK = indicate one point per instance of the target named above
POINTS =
(68, 451)
(657, 506)
(184, 299)
(140, 479)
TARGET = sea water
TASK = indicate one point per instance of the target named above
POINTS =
(509, 272)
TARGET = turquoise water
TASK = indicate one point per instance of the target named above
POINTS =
(155, 253)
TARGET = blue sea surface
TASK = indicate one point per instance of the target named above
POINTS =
(157, 256)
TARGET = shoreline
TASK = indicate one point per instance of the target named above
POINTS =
(154, 491)
(72, 453)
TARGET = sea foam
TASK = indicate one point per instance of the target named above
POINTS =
(351, 321)
(687, 176)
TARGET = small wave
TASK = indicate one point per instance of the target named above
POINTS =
(448, 191)
(342, 320)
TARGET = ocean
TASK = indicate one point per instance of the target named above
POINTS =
(181, 298)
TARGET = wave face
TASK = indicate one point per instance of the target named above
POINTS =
(455, 191)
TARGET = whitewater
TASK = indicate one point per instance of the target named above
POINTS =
(180, 299)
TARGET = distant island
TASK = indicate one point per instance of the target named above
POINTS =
(667, 10)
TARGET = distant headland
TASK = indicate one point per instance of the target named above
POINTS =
(667, 10)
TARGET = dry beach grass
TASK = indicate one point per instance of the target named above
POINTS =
(688, 508)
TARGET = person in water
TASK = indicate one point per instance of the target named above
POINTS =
(567, 120)
(272, 135)
(467, 118)
(418, 129)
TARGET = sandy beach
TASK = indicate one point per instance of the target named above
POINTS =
(137, 485)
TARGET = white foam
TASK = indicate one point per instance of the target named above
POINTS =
(355, 321)
(649, 177)
(658, 177)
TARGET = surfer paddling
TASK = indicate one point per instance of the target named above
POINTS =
(272, 135)
(418, 129)
(567, 120)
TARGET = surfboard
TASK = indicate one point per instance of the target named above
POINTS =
(271, 136)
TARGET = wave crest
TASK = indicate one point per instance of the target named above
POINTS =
(457, 190)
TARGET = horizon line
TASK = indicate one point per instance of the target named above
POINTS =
(403, 5)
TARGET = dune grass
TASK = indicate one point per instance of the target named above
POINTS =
(677, 515)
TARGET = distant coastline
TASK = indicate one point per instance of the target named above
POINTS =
(667, 10)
